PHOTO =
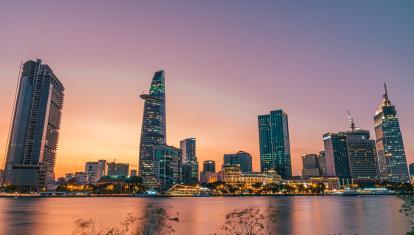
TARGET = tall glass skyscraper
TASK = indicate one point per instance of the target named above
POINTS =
(153, 131)
(274, 143)
(190, 163)
(34, 133)
(389, 142)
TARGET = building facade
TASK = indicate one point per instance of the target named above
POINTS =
(31, 152)
(167, 166)
(389, 143)
(209, 166)
(95, 170)
(336, 155)
(310, 163)
(274, 143)
(118, 169)
(241, 158)
(189, 161)
(153, 131)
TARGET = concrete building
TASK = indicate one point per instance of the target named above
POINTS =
(31, 152)
(118, 169)
(95, 170)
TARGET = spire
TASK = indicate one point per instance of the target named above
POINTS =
(387, 101)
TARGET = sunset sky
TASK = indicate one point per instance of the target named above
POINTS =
(225, 62)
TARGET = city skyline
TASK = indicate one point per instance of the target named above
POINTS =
(315, 93)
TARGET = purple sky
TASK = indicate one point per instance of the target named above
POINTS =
(225, 61)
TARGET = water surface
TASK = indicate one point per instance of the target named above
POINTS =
(297, 215)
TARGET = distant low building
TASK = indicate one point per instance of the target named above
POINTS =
(241, 158)
(95, 170)
(208, 177)
(133, 173)
(234, 175)
(118, 169)
(331, 183)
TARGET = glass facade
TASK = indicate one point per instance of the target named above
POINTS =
(34, 135)
(153, 131)
(190, 163)
(274, 143)
(389, 143)
(167, 166)
(336, 155)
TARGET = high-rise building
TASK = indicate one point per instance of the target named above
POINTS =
(389, 143)
(118, 169)
(33, 142)
(189, 161)
(241, 158)
(95, 170)
(351, 156)
(167, 166)
(310, 163)
(362, 155)
(336, 155)
(209, 166)
(274, 143)
(153, 131)
(322, 163)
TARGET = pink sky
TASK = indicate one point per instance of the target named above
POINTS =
(225, 64)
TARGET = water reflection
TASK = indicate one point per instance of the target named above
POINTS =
(296, 215)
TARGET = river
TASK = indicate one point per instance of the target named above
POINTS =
(296, 214)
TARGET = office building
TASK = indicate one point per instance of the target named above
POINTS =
(167, 166)
(274, 143)
(133, 173)
(189, 161)
(391, 157)
(95, 170)
(310, 163)
(351, 156)
(322, 163)
(209, 166)
(31, 152)
(336, 155)
(118, 169)
(153, 131)
(243, 159)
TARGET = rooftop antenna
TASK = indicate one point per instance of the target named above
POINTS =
(351, 120)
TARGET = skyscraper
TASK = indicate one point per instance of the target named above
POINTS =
(153, 131)
(336, 155)
(33, 142)
(274, 143)
(389, 142)
(189, 161)
(241, 158)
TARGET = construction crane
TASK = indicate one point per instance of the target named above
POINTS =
(351, 120)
